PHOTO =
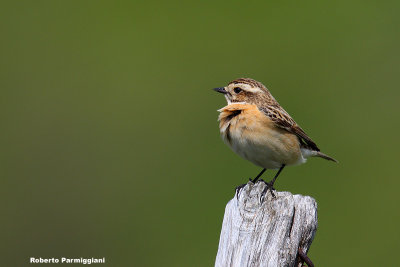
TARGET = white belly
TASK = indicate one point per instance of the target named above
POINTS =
(270, 150)
(259, 155)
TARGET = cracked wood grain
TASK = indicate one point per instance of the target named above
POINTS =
(269, 233)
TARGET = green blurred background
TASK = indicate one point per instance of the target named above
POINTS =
(109, 137)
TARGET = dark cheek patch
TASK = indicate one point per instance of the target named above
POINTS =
(241, 97)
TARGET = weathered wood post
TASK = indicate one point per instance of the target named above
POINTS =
(274, 233)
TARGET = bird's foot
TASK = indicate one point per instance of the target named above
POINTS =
(240, 187)
(268, 187)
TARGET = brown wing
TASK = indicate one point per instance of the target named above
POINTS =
(283, 120)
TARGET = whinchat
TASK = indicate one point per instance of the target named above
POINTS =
(257, 128)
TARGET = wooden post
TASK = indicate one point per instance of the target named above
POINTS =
(273, 233)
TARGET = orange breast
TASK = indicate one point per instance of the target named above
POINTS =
(252, 135)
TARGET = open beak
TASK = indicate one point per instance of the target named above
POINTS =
(220, 90)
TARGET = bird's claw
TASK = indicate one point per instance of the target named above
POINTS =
(237, 190)
(240, 187)
(268, 186)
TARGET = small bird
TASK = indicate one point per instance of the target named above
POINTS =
(257, 128)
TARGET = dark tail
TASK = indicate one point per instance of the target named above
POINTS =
(324, 156)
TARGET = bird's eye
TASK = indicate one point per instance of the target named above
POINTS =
(237, 90)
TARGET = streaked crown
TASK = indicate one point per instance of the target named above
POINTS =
(247, 90)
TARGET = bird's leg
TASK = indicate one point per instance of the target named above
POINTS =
(270, 185)
(305, 258)
(276, 176)
(258, 176)
(237, 189)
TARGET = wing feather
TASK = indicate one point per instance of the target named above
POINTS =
(283, 120)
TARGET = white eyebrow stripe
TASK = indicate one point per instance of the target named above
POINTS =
(248, 88)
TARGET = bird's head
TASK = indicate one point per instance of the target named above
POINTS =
(246, 90)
